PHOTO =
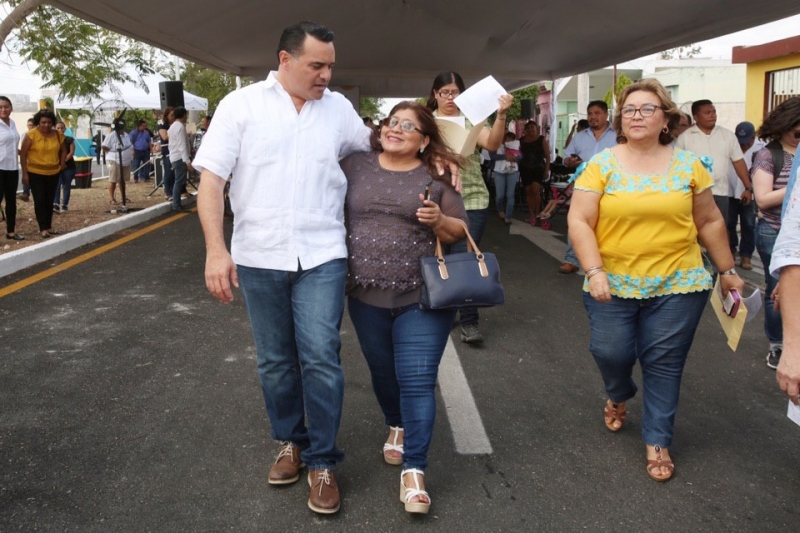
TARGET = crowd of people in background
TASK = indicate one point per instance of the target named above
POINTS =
(34, 160)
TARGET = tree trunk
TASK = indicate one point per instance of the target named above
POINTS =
(15, 18)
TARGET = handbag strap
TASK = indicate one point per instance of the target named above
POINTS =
(471, 246)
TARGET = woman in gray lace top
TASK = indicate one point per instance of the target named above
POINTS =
(390, 226)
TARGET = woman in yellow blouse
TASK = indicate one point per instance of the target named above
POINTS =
(636, 215)
(42, 158)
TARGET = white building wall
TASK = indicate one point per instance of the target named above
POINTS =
(723, 85)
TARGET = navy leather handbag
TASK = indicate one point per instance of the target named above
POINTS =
(466, 279)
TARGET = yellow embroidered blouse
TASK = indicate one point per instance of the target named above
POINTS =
(645, 230)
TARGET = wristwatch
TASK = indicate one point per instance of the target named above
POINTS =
(729, 272)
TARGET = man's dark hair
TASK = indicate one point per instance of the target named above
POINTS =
(294, 36)
(598, 103)
(179, 112)
(142, 121)
(697, 104)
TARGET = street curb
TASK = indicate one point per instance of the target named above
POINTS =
(32, 255)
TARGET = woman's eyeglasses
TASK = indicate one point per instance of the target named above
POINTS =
(405, 125)
(647, 110)
(448, 94)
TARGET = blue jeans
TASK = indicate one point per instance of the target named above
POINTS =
(169, 176)
(569, 255)
(141, 158)
(477, 223)
(505, 185)
(181, 171)
(765, 242)
(746, 218)
(403, 348)
(295, 318)
(64, 187)
(656, 331)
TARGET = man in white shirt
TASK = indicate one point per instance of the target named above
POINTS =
(288, 247)
(118, 149)
(179, 156)
(707, 139)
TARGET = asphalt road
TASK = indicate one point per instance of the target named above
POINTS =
(129, 402)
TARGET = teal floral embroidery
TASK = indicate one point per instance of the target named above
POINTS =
(679, 282)
(578, 171)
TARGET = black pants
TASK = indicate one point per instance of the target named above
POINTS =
(43, 189)
(9, 179)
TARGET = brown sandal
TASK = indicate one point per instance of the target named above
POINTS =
(654, 466)
(614, 412)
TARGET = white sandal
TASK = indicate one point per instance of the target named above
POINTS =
(408, 493)
(394, 433)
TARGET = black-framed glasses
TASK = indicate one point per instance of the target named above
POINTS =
(647, 110)
(448, 94)
(405, 125)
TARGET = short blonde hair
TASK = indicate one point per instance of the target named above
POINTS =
(669, 108)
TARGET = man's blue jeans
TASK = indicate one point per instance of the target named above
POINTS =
(505, 185)
(181, 171)
(403, 348)
(739, 213)
(295, 318)
(477, 223)
(765, 242)
(141, 158)
(656, 331)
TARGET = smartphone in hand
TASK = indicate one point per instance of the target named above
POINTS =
(731, 303)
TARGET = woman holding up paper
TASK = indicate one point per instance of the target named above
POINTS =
(441, 100)
(636, 215)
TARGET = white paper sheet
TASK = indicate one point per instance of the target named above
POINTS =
(753, 304)
(794, 413)
(480, 100)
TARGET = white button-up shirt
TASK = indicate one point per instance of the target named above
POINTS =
(114, 145)
(9, 144)
(720, 145)
(287, 191)
(178, 142)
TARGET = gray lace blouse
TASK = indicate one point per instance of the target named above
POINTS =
(384, 238)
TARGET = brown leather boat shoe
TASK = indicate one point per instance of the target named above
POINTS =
(324, 494)
(287, 466)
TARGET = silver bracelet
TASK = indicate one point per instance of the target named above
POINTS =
(594, 271)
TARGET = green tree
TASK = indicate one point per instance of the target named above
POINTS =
(370, 107)
(526, 93)
(209, 83)
(71, 54)
(681, 52)
(622, 82)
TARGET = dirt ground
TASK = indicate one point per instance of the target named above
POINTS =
(86, 207)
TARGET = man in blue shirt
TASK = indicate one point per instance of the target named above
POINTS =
(142, 144)
(596, 138)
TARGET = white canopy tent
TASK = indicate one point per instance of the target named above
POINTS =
(396, 47)
(133, 97)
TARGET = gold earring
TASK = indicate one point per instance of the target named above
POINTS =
(666, 129)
